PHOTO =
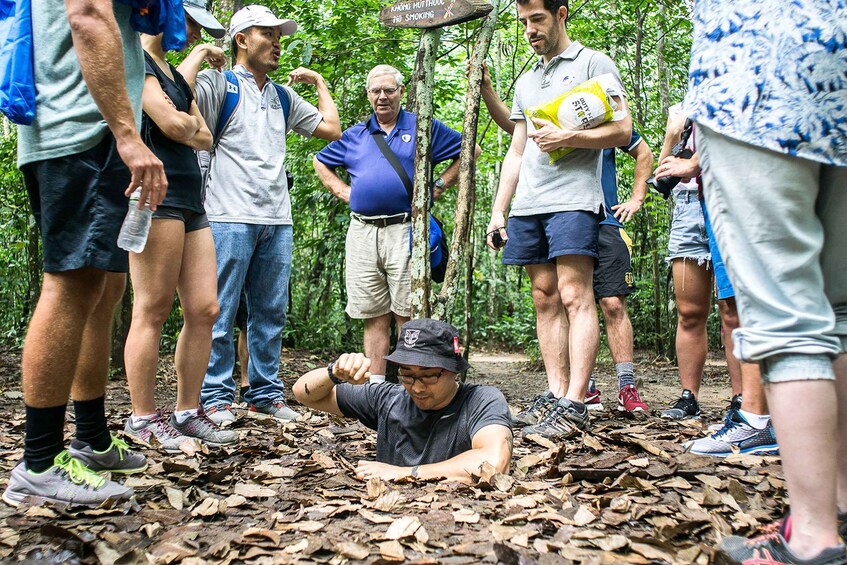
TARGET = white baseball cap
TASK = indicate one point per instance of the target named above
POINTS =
(256, 15)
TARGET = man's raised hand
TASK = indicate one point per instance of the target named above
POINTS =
(352, 368)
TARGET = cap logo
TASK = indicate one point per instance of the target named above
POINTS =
(411, 337)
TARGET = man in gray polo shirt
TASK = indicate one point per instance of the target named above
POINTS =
(249, 208)
(554, 220)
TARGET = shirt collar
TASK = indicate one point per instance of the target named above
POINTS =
(404, 122)
(242, 71)
(568, 54)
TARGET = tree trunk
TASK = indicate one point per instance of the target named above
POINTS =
(423, 80)
(465, 196)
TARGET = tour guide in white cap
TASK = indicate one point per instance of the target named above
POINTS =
(249, 207)
(429, 426)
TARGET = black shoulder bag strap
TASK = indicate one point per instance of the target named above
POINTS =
(391, 156)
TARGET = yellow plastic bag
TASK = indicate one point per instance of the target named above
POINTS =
(586, 106)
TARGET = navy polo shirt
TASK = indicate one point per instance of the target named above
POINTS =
(375, 187)
(609, 179)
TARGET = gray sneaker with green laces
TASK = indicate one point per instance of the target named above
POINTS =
(119, 458)
(68, 481)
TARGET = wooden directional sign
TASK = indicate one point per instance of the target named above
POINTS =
(432, 13)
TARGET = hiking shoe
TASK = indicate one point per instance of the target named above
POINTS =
(737, 436)
(734, 406)
(119, 458)
(592, 400)
(277, 409)
(220, 414)
(68, 481)
(685, 407)
(771, 548)
(630, 401)
(535, 412)
(203, 428)
(567, 418)
(156, 431)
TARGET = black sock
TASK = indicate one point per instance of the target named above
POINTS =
(45, 436)
(91, 426)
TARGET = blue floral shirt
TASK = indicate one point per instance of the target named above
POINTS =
(773, 74)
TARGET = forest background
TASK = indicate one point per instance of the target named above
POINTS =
(343, 40)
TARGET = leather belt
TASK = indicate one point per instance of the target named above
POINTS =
(382, 221)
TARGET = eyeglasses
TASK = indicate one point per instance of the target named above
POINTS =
(425, 379)
(388, 91)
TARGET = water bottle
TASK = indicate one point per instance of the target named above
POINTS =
(136, 226)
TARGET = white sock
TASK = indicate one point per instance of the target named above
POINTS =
(181, 416)
(138, 420)
(758, 421)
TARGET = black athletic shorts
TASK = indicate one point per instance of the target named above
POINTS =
(613, 273)
(193, 220)
(79, 205)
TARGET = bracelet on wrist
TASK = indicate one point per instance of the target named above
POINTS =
(332, 377)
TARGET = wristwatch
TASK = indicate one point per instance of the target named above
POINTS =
(439, 183)
(414, 473)
(332, 377)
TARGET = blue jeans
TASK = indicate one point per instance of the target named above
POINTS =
(256, 258)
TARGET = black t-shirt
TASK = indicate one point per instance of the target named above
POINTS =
(408, 436)
(181, 168)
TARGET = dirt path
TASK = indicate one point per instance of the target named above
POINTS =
(624, 493)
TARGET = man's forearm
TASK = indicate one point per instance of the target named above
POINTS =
(97, 42)
(508, 181)
(462, 466)
(327, 108)
(332, 181)
(191, 65)
(497, 109)
(313, 387)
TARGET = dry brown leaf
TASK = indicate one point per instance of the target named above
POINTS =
(234, 501)
(352, 550)
(613, 542)
(206, 507)
(388, 501)
(591, 443)
(641, 462)
(466, 516)
(402, 528)
(583, 516)
(175, 497)
(521, 540)
(250, 490)
(262, 532)
(376, 488)
(711, 480)
(308, 526)
(541, 440)
(651, 552)
(323, 460)
(392, 551)
(373, 517)
(296, 547)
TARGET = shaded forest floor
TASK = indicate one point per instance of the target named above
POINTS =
(624, 493)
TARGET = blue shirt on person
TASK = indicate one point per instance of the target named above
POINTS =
(375, 187)
(609, 179)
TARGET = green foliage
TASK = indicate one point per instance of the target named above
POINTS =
(343, 40)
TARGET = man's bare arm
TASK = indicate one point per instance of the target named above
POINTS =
(192, 63)
(330, 127)
(643, 169)
(330, 179)
(97, 42)
(508, 183)
(317, 391)
(500, 113)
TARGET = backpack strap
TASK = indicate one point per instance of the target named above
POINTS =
(285, 100)
(231, 102)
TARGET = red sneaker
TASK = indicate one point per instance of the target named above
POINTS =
(592, 400)
(630, 401)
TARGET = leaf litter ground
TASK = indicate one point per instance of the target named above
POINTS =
(623, 493)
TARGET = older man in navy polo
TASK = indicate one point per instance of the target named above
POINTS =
(377, 251)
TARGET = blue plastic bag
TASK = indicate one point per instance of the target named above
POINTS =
(159, 16)
(17, 72)
(439, 252)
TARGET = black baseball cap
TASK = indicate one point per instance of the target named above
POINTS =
(429, 343)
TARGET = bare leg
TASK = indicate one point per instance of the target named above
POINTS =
(577, 294)
(55, 335)
(618, 328)
(243, 357)
(808, 460)
(92, 369)
(693, 287)
(198, 294)
(154, 274)
(729, 321)
(377, 341)
(840, 367)
(551, 325)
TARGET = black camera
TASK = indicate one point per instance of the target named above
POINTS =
(665, 185)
